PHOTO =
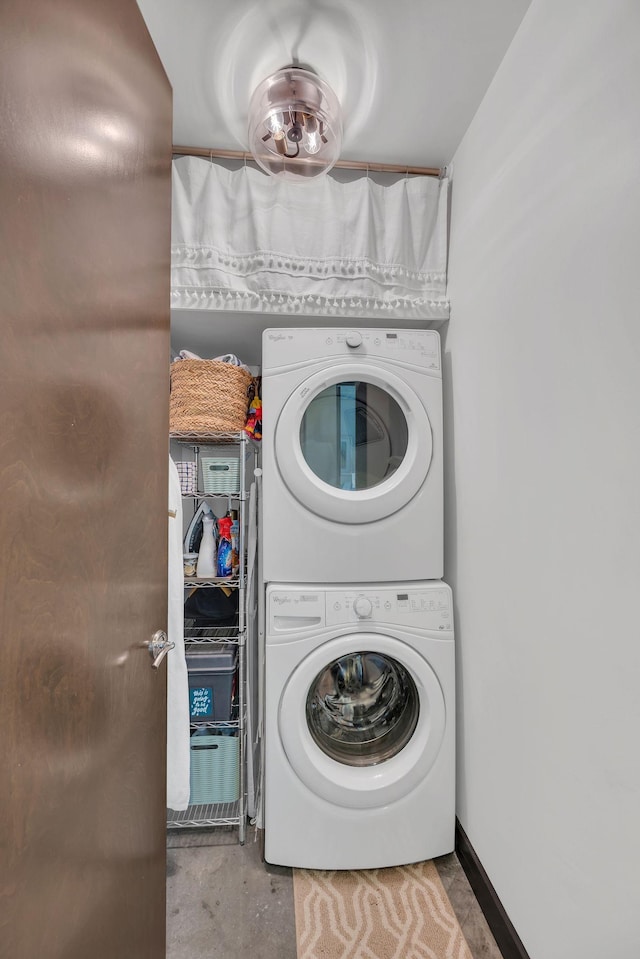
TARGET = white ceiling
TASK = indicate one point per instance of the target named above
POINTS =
(410, 74)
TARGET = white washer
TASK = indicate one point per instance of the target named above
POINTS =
(352, 455)
(359, 725)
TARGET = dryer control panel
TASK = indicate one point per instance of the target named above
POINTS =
(418, 348)
(427, 606)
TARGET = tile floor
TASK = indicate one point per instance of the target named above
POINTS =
(224, 902)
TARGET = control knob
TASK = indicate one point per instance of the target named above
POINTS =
(362, 607)
(354, 339)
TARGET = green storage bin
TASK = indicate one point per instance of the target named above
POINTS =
(220, 474)
(215, 770)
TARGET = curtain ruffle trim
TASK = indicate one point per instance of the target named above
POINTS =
(250, 263)
(311, 304)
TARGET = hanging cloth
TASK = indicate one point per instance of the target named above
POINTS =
(245, 241)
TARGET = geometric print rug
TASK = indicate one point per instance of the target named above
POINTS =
(397, 913)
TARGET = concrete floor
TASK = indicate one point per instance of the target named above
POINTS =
(224, 902)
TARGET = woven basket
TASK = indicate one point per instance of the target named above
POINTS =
(208, 396)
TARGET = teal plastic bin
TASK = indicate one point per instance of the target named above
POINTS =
(215, 770)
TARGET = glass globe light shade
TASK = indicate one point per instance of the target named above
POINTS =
(295, 125)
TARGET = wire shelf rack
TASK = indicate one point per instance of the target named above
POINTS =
(212, 814)
(210, 439)
(212, 635)
(230, 581)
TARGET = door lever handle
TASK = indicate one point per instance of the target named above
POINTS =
(158, 647)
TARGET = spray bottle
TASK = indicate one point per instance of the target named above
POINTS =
(206, 567)
(235, 538)
(224, 546)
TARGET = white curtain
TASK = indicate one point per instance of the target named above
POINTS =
(253, 243)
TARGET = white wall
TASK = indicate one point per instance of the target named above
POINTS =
(543, 511)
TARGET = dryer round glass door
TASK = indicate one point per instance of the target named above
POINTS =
(361, 720)
(353, 435)
(354, 445)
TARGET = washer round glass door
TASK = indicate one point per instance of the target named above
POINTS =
(361, 720)
(353, 445)
(362, 708)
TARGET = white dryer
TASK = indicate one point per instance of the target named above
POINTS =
(352, 455)
(359, 725)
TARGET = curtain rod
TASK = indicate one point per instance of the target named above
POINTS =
(341, 164)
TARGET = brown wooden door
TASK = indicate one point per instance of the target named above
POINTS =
(85, 152)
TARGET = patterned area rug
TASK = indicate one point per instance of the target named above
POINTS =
(398, 913)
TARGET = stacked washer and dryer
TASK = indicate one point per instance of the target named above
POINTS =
(359, 643)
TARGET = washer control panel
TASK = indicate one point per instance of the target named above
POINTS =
(425, 606)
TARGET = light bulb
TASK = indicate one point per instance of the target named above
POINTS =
(280, 142)
(311, 142)
(275, 123)
(310, 123)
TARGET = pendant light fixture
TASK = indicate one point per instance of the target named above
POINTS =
(295, 124)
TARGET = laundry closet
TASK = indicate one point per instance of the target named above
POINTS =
(346, 477)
